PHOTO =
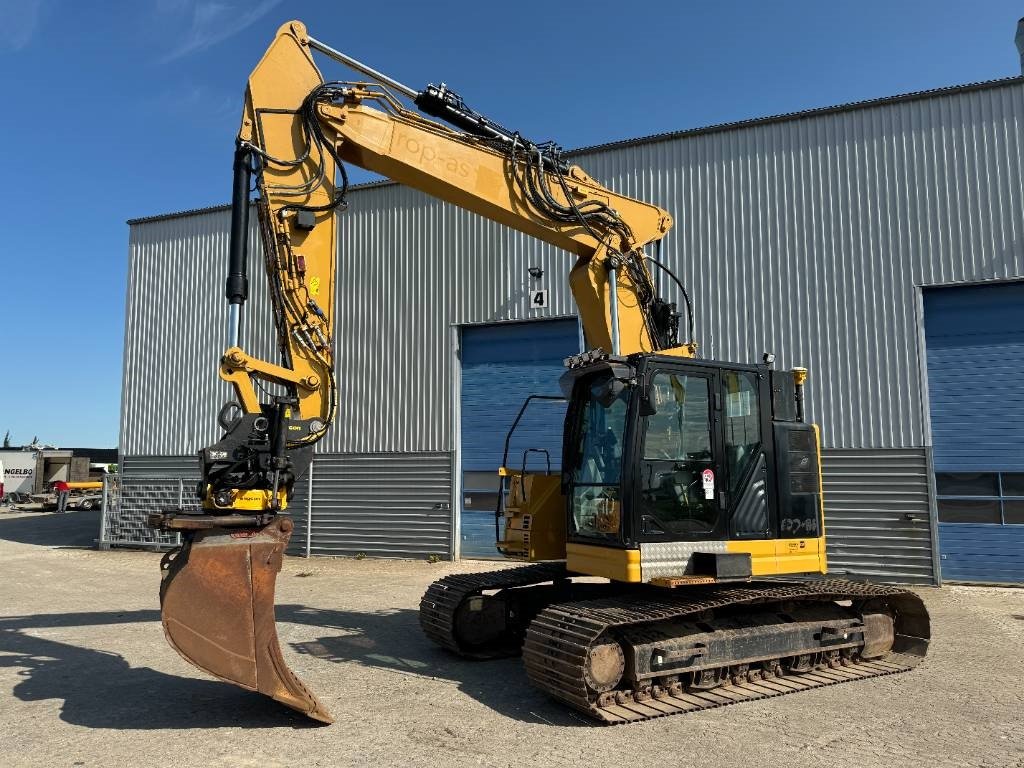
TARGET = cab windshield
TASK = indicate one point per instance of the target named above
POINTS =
(597, 468)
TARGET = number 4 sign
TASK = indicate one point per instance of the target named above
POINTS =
(538, 299)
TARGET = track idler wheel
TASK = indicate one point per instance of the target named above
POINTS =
(604, 665)
(217, 609)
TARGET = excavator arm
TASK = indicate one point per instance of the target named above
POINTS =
(297, 134)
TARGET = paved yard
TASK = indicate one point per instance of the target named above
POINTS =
(86, 679)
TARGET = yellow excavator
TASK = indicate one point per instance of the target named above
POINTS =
(690, 488)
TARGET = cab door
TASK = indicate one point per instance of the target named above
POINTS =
(746, 436)
(679, 490)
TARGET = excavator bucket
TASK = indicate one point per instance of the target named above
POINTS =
(217, 608)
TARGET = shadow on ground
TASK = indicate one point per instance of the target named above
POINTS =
(51, 529)
(393, 640)
(102, 690)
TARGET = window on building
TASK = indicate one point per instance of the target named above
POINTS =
(993, 498)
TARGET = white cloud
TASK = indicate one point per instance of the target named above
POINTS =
(213, 22)
(20, 18)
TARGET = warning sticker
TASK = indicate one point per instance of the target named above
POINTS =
(708, 479)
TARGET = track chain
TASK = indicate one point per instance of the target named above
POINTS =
(442, 599)
(558, 642)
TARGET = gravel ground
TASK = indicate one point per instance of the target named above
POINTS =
(86, 679)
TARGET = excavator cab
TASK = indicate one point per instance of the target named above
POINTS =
(677, 468)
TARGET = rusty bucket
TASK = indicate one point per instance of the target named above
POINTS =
(217, 608)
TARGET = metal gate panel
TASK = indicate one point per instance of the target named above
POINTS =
(129, 500)
(877, 519)
(382, 505)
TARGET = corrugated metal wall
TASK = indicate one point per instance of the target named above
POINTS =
(877, 522)
(159, 466)
(804, 236)
(382, 505)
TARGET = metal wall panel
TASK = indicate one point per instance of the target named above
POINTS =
(877, 521)
(803, 236)
(382, 505)
(159, 466)
(411, 268)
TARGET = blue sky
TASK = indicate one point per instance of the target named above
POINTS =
(118, 110)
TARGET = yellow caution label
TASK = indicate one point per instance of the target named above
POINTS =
(314, 286)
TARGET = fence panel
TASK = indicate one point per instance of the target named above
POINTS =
(128, 502)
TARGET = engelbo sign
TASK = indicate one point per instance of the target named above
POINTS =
(19, 468)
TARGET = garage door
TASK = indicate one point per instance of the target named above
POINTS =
(502, 365)
(975, 342)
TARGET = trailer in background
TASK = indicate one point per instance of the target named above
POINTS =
(17, 473)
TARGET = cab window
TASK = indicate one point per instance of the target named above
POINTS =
(597, 465)
(677, 449)
(742, 425)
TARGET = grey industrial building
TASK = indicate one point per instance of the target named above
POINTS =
(876, 243)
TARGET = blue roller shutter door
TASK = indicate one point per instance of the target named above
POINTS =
(975, 345)
(502, 365)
